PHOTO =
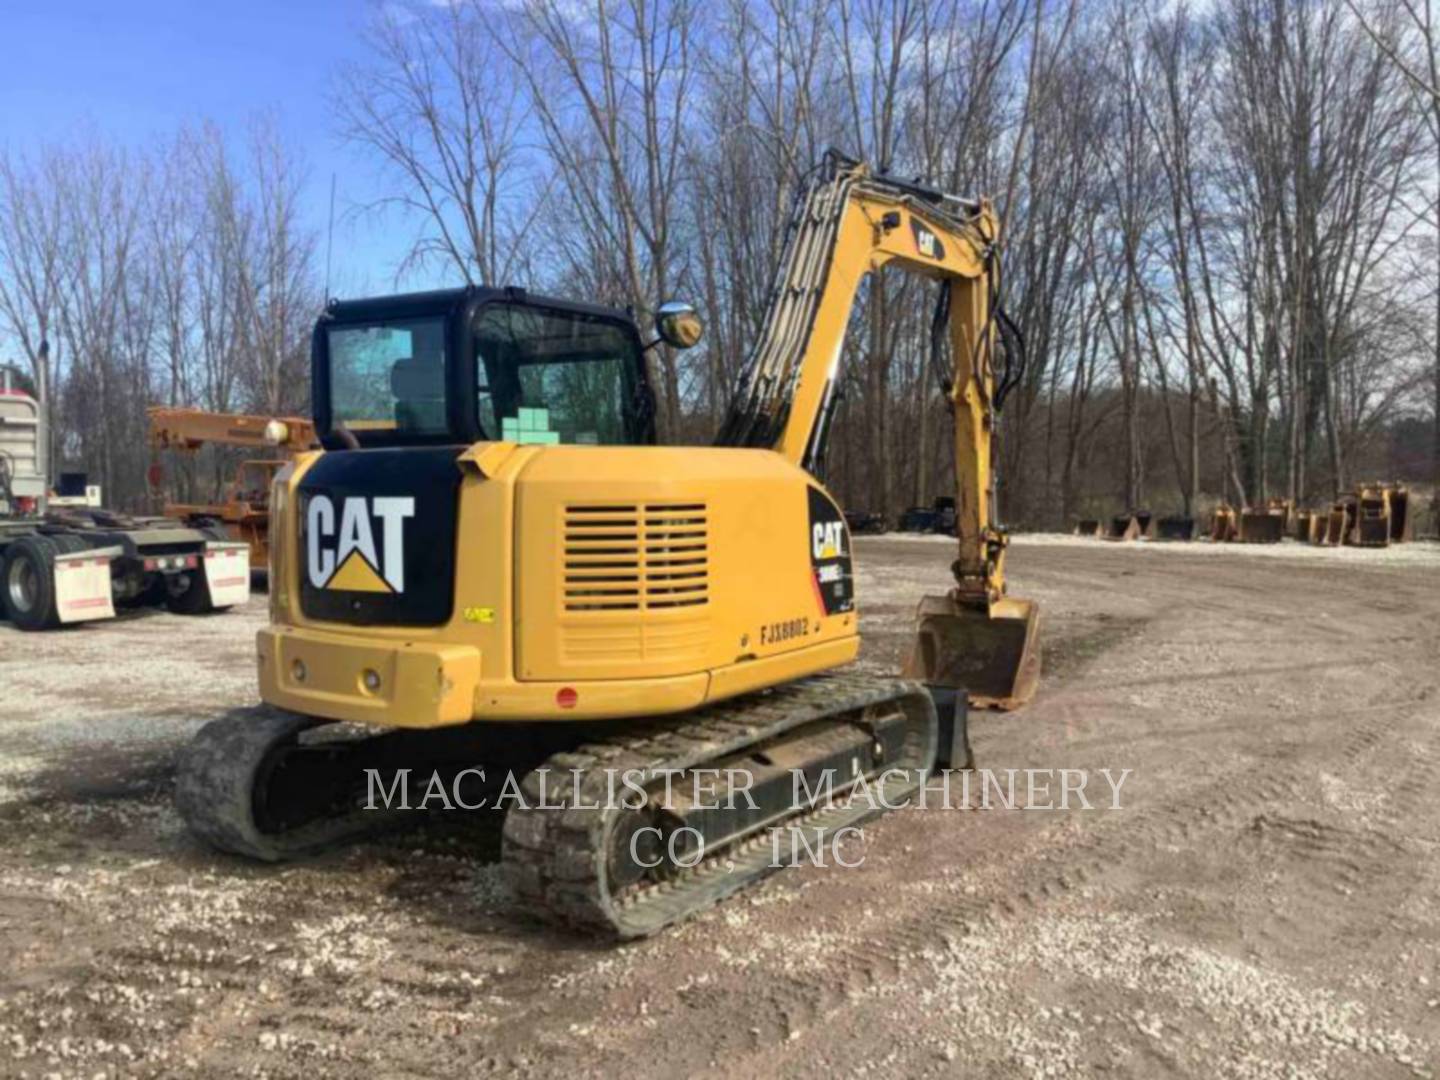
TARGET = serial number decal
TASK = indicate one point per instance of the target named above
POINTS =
(785, 630)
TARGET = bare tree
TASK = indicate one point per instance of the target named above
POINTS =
(31, 263)
(1420, 64)
(610, 87)
(441, 107)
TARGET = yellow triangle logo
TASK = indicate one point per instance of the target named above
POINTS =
(356, 575)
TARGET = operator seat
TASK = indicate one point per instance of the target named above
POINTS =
(418, 387)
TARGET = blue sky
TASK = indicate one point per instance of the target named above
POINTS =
(135, 69)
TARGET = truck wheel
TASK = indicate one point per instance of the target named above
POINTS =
(194, 598)
(152, 595)
(27, 584)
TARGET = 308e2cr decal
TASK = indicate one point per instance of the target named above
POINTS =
(830, 555)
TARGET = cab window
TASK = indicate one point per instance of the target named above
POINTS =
(389, 376)
(552, 377)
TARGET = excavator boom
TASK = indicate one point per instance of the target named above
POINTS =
(848, 222)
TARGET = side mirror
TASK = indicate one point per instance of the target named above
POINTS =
(678, 325)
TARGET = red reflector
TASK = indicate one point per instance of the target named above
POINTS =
(566, 697)
(149, 564)
(190, 562)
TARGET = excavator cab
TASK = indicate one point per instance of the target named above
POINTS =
(461, 366)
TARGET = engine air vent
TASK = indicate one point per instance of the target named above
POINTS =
(636, 557)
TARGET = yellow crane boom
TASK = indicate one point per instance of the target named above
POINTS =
(174, 428)
(245, 513)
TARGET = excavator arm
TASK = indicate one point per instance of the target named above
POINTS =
(849, 221)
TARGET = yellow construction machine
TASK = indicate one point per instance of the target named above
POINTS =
(245, 513)
(490, 547)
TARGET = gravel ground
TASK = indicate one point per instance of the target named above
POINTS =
(1265, 903)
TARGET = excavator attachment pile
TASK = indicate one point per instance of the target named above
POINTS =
(1138, 525)
(1373, 515)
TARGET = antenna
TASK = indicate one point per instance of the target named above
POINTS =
(329, 238)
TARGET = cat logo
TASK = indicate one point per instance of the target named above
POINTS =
(926, 242)
(830, 571)
(347, 558)
(828, 539)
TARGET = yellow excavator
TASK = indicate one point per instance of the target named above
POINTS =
(488, 565)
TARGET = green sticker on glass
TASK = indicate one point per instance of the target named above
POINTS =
(531, 426)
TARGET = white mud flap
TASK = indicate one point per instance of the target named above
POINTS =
(82, 585)
(227, 573)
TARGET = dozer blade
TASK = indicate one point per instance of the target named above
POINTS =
(995, 658)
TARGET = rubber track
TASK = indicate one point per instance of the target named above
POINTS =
(555, 859)
(215, 783)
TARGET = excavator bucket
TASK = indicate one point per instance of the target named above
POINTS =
(1402, 524)
(1222, 525)
(995, 658)
(1332, 533)
(1175, 528)
(1342, 521)
(1371, 526)
(1260, 527)
(1123, 527)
